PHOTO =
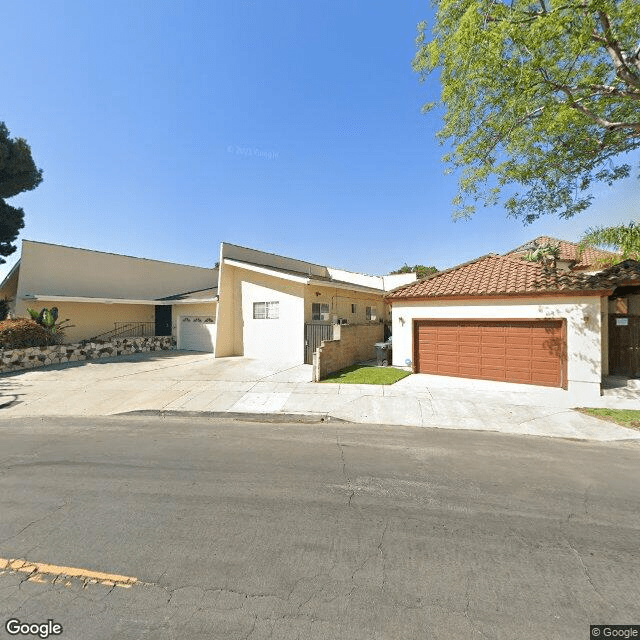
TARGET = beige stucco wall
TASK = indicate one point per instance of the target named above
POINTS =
(584, 367)
(340, 301)
(56, 270)
(91, 319)
(229, 317)
(240, 334)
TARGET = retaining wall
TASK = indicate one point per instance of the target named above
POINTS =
(351, 343)
(31, 357)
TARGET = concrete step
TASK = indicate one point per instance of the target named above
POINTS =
(612, 383)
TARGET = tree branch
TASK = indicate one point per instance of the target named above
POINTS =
(576, 103)
(610, 91)
(617, 56)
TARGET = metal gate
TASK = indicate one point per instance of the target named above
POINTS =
(314, 334)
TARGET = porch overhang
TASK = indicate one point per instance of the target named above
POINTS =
(45, 297)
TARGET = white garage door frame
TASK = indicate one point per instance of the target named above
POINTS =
(199, 334)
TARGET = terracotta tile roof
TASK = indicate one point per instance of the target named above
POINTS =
(509, 275)
(590, 258)
(623, 272)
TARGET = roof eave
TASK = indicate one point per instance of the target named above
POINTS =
(498, 296)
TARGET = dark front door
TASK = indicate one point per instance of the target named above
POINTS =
(163, 320)
(624, 346)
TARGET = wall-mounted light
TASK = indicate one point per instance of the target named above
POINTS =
(401, 320)
(318, 293)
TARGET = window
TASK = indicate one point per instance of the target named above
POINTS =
(353, 308)
(319, 311)
(266, 310)
(371, 313)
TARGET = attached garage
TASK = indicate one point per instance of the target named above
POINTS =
(524, 351)
(511, 320)
(197, 333)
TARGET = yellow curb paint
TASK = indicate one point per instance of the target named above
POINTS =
(92, 577)
(37, 578)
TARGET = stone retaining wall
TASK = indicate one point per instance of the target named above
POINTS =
(351, 343)
(31, 357)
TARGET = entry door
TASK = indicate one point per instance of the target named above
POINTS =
(163, 320)
(624, 346)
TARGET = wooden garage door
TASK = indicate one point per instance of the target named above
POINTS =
(530, 352)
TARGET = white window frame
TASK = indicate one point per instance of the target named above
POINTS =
(320, 311)
(372, 313)
(266, 310)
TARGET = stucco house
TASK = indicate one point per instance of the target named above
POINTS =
(503, 318)
(107, 294)
(255, 304)
(282, 308)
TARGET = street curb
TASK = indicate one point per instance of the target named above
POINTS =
(307, 418)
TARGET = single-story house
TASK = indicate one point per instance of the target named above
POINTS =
(281, 308)
(503, 318)
(255, 303)
(110, 295)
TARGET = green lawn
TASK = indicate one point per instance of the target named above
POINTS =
(625, 417)
(358, 374)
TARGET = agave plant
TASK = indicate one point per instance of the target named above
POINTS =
(48, 318)
(545, 253)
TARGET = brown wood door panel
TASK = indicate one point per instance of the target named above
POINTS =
(531, 352)
(624, 346)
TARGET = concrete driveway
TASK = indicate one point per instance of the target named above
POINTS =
(154, 380)
(187, 382)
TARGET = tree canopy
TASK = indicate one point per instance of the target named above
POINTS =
(419, 269)
(18, 173)
(542, 98)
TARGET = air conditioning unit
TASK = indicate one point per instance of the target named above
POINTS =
(342, 321)
(324, 316)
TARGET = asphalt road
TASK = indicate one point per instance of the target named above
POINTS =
(255, 531)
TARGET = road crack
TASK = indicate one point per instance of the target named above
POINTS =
(38, 520)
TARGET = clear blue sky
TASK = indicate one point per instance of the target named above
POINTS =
(143, 115)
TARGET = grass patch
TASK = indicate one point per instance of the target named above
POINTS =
(625, 417)
(358, 374)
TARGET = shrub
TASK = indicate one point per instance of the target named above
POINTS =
(5, 306)
(22, 333)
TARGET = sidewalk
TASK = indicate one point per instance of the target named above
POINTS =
(188, 383)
